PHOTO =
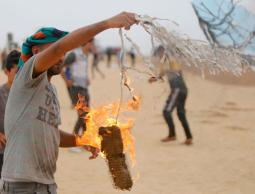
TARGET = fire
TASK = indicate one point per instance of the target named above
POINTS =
(105, 116)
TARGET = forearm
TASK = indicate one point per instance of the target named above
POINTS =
(81, 36)
(51, 55)
(67, 139)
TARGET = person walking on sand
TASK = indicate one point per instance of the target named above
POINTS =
(176, 98)
(77, 82)
(77, 79)
(32, 113)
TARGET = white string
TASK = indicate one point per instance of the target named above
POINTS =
(122, 71)
(194, 52)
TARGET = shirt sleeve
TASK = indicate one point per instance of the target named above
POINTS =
(25, 74)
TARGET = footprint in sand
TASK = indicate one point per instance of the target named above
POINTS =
(207, 122)
(232, 106)
(237, 128)
(229, 103)
(213, 113)
(236, 109)
(158, 123)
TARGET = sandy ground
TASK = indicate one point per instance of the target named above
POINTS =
(221, 161)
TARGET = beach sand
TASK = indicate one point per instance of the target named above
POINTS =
(221, 160)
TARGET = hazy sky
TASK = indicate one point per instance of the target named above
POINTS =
(23, 17)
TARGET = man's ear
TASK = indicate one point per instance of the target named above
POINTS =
(35, 50)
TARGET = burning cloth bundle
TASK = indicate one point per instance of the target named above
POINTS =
(112, 137)
(112, 147)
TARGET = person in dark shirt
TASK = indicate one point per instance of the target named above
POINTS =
(77, 81)
(176, 98)
(10, 69)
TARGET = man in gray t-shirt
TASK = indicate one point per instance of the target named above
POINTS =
(32, 111)
(36, 140)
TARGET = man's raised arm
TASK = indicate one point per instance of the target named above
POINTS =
(51, 55)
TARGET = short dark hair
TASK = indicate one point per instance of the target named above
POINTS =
(12, 59)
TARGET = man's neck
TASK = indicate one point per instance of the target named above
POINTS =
(49, 78)
(9, 84)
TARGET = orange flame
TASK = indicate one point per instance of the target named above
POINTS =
(105, 116)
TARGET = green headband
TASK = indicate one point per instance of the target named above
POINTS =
(42, 36)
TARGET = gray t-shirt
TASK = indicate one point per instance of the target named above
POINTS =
(4, 92)
(31, 128)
